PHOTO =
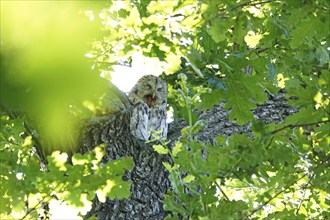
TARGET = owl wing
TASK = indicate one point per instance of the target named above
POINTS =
(114, 100)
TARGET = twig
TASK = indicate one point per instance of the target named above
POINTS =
(304, 188)
(250, 3)
(283, 190)
(299, 125)
(44, 200)
(270, 142)
(222, 192)
(113, 63)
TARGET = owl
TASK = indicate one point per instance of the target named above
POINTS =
(149, 99)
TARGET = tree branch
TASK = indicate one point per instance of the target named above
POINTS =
(250, 3)
(299, 125)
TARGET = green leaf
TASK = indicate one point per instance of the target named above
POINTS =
(167, 166)
(220, 140)
(123, 13)
(58, 160)
(306, 29)
(305, 115)
(120, 166)
(194, 116)
(218, 30)
(272, 71)
(155, 50)
(239, 30)
(210, 99)
(243, 92)
(200, 124)
(78, 159)
(195, 58)
(160, 149)
(252, 39)
(177, 148)
(302, 89)
(171, 204)
(121, 189)
(323, 55)
(188, 179)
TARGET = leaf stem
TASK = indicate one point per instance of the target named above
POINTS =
(190, 120)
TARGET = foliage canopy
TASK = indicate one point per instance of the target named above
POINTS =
(238, 52)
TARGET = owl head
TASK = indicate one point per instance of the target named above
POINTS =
(152, 90)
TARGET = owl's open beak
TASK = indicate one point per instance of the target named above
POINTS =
(149, 99)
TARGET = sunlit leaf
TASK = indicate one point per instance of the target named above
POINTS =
(188, 179)
(252, 39)
(160, 149)
(176, 149)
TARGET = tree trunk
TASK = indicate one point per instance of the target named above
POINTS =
(149, 177)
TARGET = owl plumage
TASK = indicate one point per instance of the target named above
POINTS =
(149, 99)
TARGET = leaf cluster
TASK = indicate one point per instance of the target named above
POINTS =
(236, 52)
(240, 54)
(27, 189)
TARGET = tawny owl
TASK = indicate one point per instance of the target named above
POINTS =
(149, 98)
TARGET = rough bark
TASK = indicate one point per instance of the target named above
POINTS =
(150, 178)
